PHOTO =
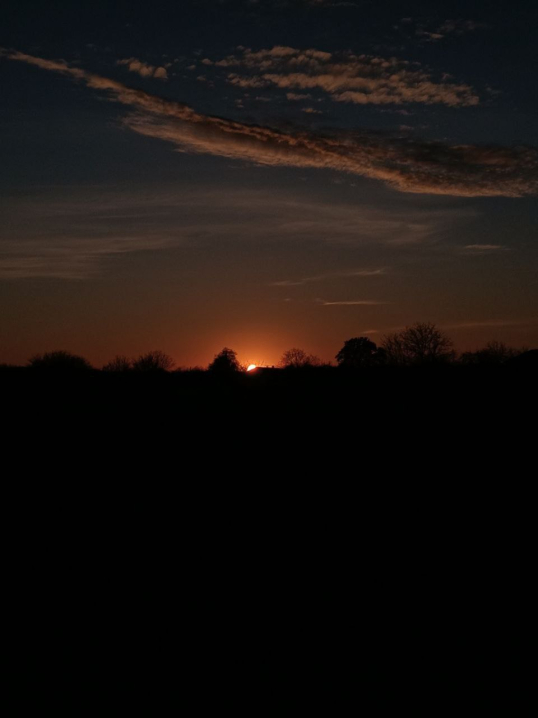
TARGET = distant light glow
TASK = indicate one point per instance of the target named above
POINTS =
(251, 367)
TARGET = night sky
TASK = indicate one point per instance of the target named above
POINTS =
(191, 175)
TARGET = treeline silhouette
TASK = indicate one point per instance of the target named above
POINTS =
(410, 395)
(411, 373)
(421, 345)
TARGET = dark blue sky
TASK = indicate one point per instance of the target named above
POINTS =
(189, 175)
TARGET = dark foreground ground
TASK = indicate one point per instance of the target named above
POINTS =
(451, 406)
(285, 543)
(443, 391)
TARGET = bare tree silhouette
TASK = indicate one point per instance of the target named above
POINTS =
(297, 359)
(153, 361)
(421, 343)
(119, 363)
(493, 354)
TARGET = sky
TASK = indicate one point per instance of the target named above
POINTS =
(265, 174)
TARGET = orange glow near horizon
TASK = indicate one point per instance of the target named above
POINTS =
(251, 367)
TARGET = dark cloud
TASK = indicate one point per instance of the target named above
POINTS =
(405, 165)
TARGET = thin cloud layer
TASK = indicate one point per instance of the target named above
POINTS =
(449, 27)
(485, 247)
(482, 249)
(404, 164)
(332, 275)
(345, 77)
(490, 323)
(279, 5)
(76, 232)
(352, 303)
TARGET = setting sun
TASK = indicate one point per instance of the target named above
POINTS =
(251, 367)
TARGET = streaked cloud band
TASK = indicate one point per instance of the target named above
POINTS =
(403, 164)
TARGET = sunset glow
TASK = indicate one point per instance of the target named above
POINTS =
(265, 175)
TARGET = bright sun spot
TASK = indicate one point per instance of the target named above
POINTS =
(251, 367)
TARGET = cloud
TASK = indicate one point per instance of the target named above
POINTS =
(278, 5)
(459, 27)
(331, 3)
(404, 164)
(67, 234)
(75, 232)
(488, 323)
(479, 248)
(352, 303)
(448, 27)
(143, 69)
(70, 258)
(294, 97)
(332, 275)
(345, 77)
(245, 82)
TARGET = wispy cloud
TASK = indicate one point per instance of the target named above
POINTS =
(59, 234)
(279, 5)
(70, 257)
(449, 27)
(404, 164)
(71, 233)
(489, 323)
(294, 97)
(353, 302)
(484, 248)
(331, 275)
(331, 3)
